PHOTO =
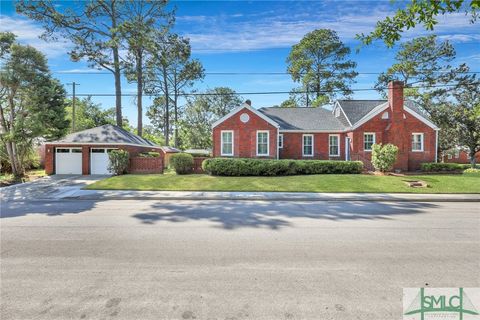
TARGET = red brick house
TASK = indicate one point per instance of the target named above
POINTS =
(345, 133)
(459, 155)
(86, 152)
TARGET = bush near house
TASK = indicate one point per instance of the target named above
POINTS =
(118, 161)
(441, 166)
(260, 167)
(182, 163)
(384, 157)
(149, 154)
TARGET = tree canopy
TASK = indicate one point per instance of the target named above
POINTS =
(320, 63)
(418, 12)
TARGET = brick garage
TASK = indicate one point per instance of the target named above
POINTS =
(86, 152)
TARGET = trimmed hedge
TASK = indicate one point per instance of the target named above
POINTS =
(260, 167)
(443, 166)
(149, 154)
(182, 163)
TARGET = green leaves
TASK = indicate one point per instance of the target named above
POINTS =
(319, 63)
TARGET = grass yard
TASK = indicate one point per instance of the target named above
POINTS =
(459, 183)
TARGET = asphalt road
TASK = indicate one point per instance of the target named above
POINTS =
(230, 260)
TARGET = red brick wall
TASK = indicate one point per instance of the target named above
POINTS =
(50, 154)
(293, 144)
(146, 165)
(245, 135)
(462, 158)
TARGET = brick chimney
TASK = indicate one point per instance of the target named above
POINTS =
(395, 98)
(397, 129)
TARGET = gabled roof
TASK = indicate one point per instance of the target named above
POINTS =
(238, 109)
(106, 134)
(355, 110)
(304, 118)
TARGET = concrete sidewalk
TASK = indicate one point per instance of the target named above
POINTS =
(268, 196)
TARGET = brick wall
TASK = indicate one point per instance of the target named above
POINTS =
(146, 165)
(245, 135)
(293, 146)
(50, 154)
(463, 157)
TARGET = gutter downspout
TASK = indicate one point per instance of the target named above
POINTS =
(436, 145)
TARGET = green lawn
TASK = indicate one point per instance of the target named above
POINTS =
(463, 183)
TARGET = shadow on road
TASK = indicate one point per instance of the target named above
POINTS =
(231, 215)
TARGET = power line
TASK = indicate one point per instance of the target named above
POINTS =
(245, 73)
(264, 92)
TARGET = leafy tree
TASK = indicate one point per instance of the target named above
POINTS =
(32, 103)
(89, 114)
(170, 72)
(418, 12)
(157, 114)
(93, 28)
(319, 62)
(421, 61)
(143, 21)
(201, 112)
(295, 100)
(466, 114)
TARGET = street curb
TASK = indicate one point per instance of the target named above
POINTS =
(271, 196)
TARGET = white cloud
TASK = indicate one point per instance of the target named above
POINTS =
(281, 30)
(28, 32)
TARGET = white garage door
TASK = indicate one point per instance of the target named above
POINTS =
(68, 161)
(99, 161)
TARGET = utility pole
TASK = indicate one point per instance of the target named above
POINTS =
(73, 84)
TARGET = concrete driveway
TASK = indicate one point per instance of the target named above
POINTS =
(49, 187)
(132, 259)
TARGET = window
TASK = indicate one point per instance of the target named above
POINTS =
(417, 141)
(457, 153)
(307, 145)
(76, 150)
(61, 150)
(262, 143)
(227, 143)
(280, 141)
(334, 145)
(368, 141)
(98, 150)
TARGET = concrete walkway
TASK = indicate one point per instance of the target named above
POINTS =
(267, 196)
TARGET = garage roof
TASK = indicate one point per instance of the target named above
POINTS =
(106, 134)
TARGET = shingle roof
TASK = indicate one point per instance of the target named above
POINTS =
(357, 109)
(105, 134)
(323, 119)
(303, 118)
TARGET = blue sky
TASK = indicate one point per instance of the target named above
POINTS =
(255, 36)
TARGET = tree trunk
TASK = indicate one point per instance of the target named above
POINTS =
(139, 93)
(118, 87)
(472, 157)
(176, 114)
(167, 113)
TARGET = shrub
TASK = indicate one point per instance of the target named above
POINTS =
(118, 161)
(442, 167)
(261, 167)
(182, 163)
(471, 170)
(149, 154)
(384, 157)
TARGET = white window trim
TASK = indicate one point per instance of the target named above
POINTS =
(374, 140)
(280, 138)
(221, 143)
(303, 145)
(268, 143)
(423, 142)
(338, 141)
